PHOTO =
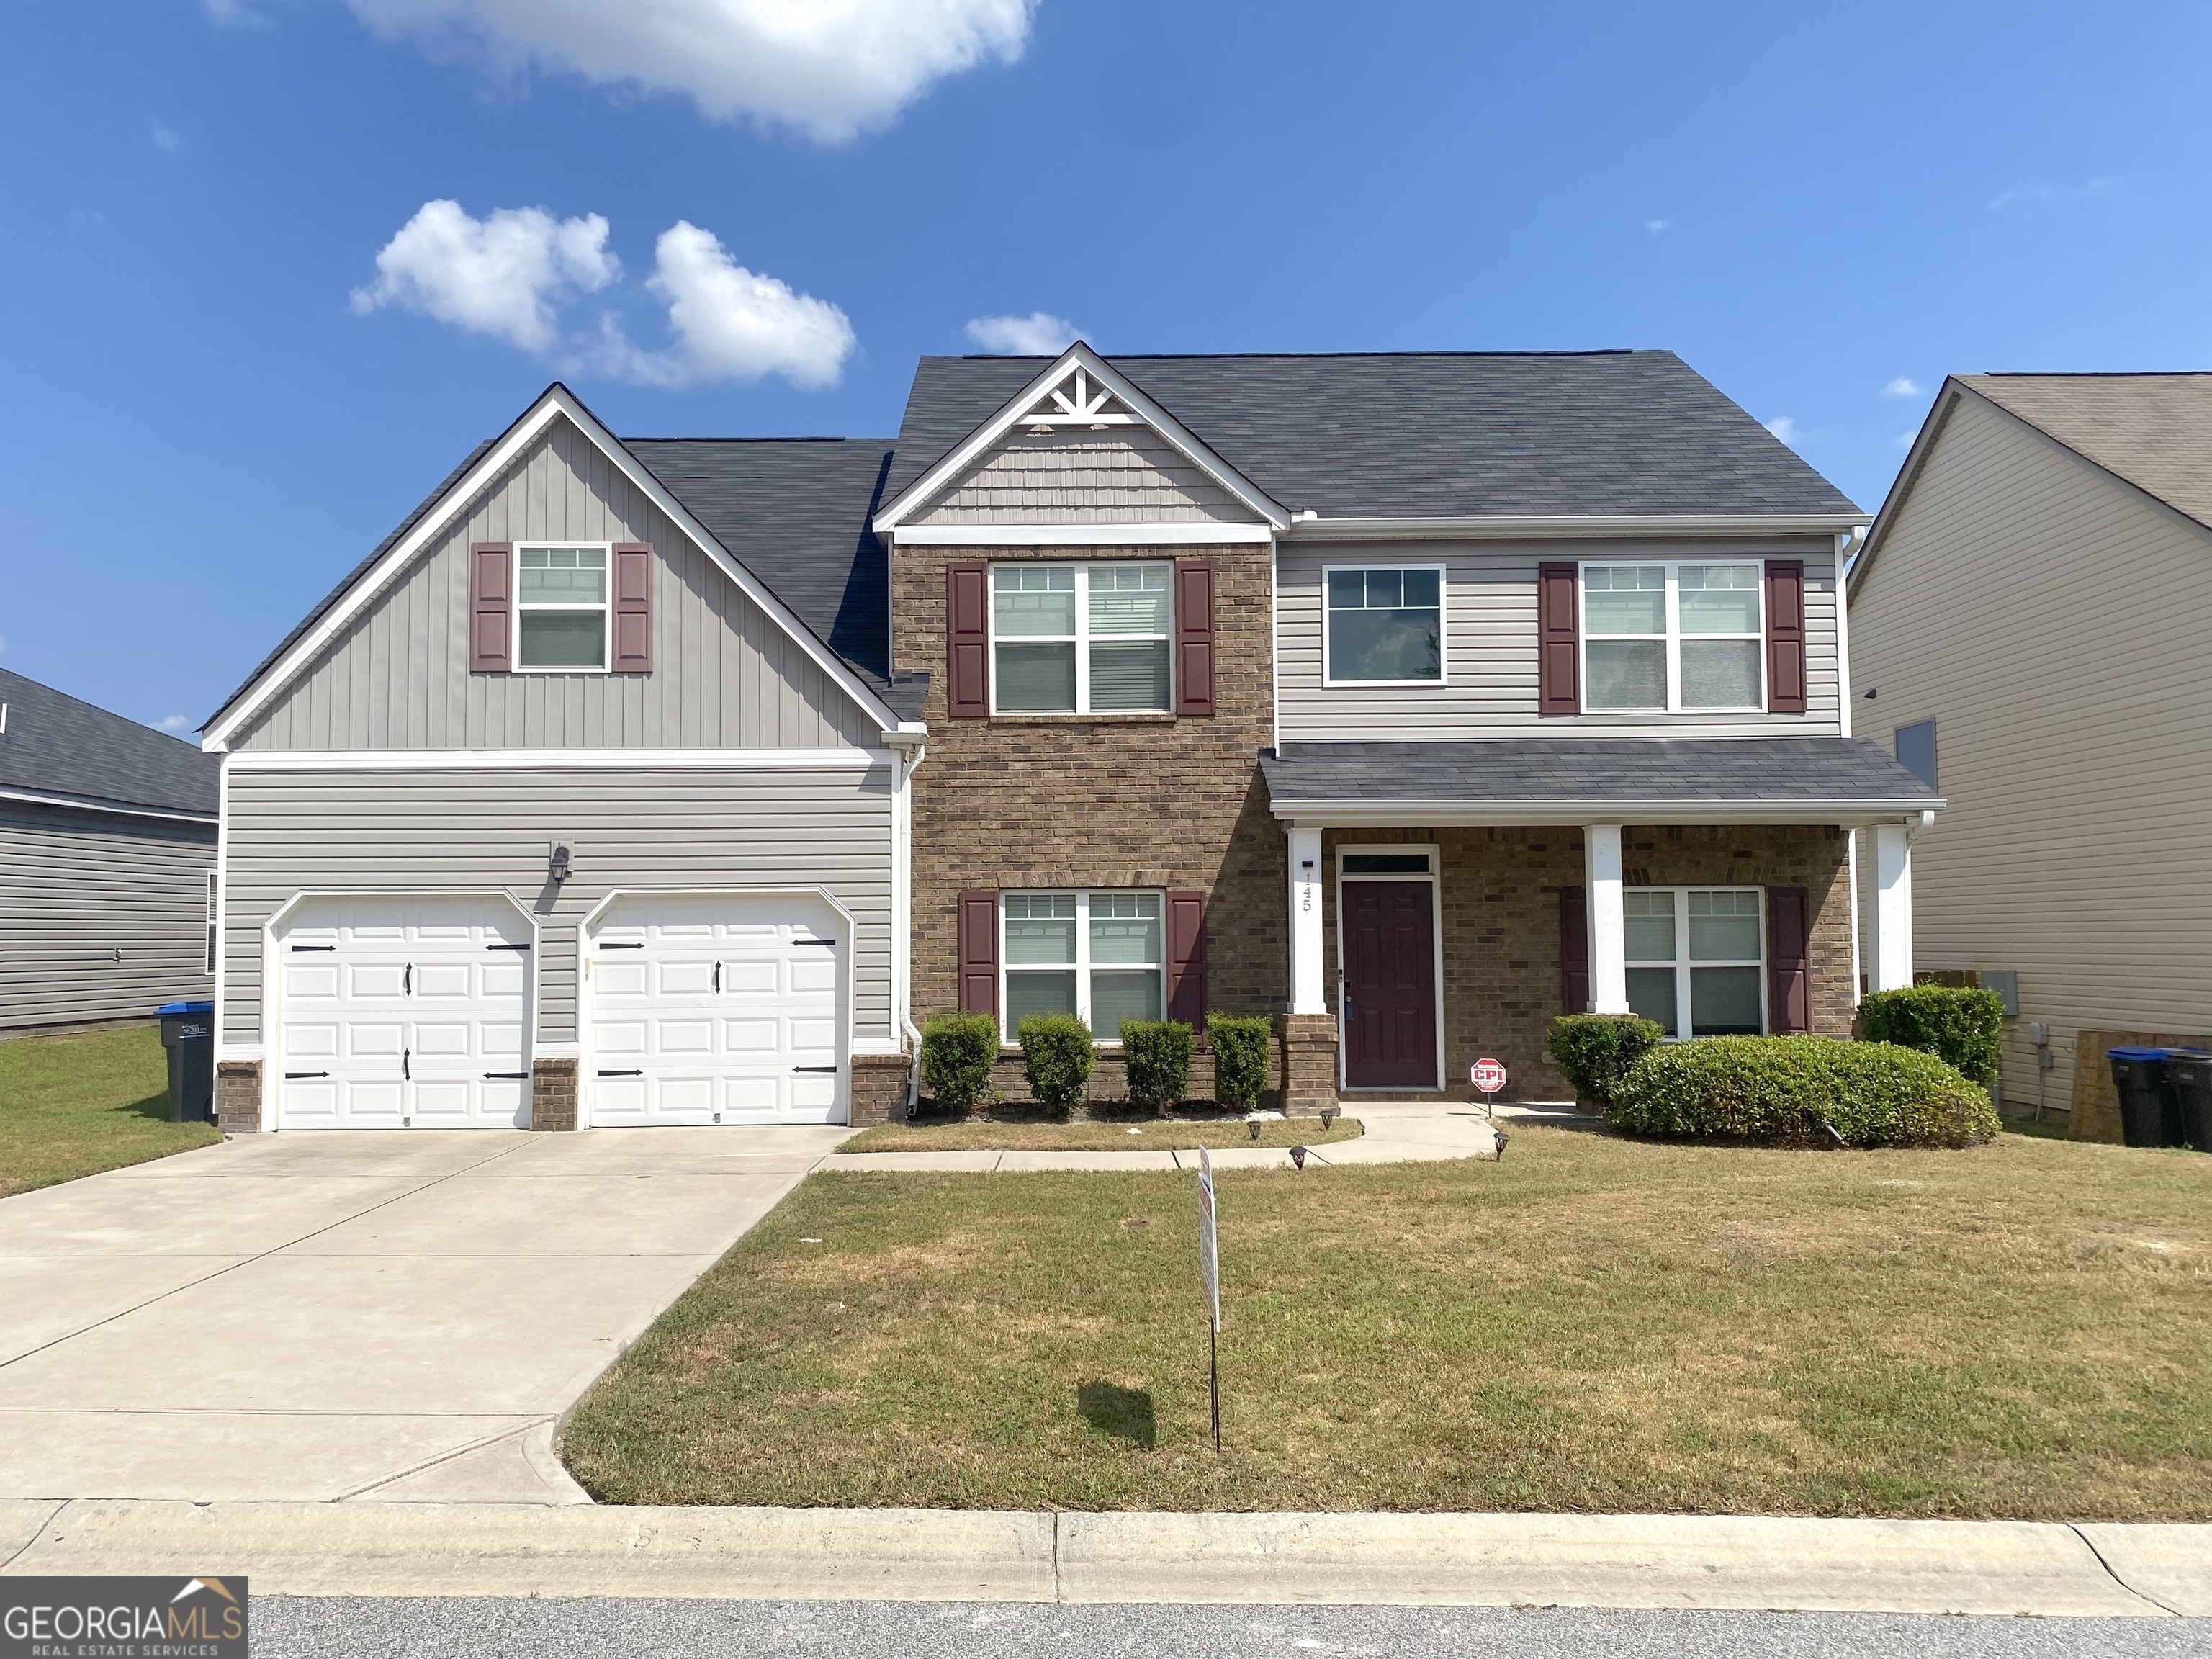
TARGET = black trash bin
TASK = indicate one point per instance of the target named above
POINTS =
(2148, 1118)
(188, 1033)
(2188, 1074)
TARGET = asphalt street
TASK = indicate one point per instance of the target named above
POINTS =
(298, 1628)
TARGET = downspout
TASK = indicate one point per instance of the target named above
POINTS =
(1846, 547)
(908, 764)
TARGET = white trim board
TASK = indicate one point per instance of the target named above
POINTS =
(1097, 534)
(1390, 814)
(500, 760)
(556, 402)
(79, 804)
(1529, 526)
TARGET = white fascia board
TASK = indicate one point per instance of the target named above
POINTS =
(1011, 414)
(1388, 814)
(504, 760)
(1081, 535)
(1566, 526)
(557, 402)
(79, 802)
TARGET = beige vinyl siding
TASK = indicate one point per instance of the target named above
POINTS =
(702, 828)
(725, 675)
(101, 916)
(1123, 475)
(2052, 622)
(1490, 644)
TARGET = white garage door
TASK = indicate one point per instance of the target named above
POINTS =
(404, 1013)
(718, 1009)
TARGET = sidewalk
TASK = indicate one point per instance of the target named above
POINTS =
(1995, 1568)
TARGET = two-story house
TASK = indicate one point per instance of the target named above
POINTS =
(1412, 698)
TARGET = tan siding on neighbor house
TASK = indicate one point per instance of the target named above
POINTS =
(725, 675)
(2051, 621)
(1120, 475)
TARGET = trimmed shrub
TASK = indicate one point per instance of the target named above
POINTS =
(956, 1052)
(1962, 1027)
(1596, 1050)
(1240, 1044)
(1057, 1052)
(1158, 1054)
(1782, 1090)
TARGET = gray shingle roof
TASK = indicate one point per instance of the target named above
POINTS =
(1572, 770)
(2153, 430)
(1431, 434)
(56, 744)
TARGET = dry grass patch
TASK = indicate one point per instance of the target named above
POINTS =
(1593, 1324)
(73, 1106)
(1028, 1132)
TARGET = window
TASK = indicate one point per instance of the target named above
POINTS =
(1672, 637)
(1916, 750)
(1385, 626)
(561, 607)
(1081, 639)
(1100, 957)
(1696, 962)
(210, 922)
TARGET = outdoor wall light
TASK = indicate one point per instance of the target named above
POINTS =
(558, 866)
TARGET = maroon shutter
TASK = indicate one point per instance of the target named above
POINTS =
(967, 646)
(979, 953)
(1559, 643)
(1193, 618)
(633, 609)
(492, 601)
(1574, 950)
(1187, 958)
(1786, 637)
(1788, 983)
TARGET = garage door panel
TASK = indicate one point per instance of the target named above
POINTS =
(503, 977)
(434, 981)
(751, 978)
(752, 1038)
(359, 1039)
(813, 975)
(682, 979)
(619, 1040)
(622, 976)
(813, 1094)
(369, 980)
(503, 1044)
(814, 1036)
(315, 1040)
(310, 982)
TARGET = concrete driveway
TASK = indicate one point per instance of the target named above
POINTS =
(335, 1316)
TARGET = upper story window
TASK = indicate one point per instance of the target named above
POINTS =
(1672, 637)
(1100, 957)
(1916, 750)
(1386, 627)
(1081, 639)
(561, 607)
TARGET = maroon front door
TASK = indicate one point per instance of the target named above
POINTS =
(1390, 985)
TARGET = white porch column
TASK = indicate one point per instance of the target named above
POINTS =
(1307, 994)
(1893, 906)
(1608, 924)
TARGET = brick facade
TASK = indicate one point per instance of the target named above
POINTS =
(880, 1084)
(238, 1097)
(553, 1093)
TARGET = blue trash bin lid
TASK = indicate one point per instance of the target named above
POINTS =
(2137, 1054)
(191, 1008)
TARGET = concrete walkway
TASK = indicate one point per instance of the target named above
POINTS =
(2002, 1569)
(334, 1315)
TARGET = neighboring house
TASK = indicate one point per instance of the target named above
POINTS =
(107, 839)
(600, 792)
(2026, 618)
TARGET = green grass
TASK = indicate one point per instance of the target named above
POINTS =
(73, 1106)
(995, 1132)
(1594, 1324)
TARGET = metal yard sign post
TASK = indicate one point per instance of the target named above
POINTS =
(1209, 1273)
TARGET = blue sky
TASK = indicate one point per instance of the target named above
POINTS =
(1824, 209)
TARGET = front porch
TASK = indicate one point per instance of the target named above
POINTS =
(1448, 899)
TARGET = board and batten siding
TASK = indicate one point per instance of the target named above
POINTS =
(2050, 619)
(1123, 475)
(726, 676)
(102, 917)
(1489, 683)
(692, 828)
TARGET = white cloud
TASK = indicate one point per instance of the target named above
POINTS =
(234, 14)
(1903, 387)
(164, 136)
(830, 67)
(1785, 428)
(1658, 227)
(81, 217)
(731, 323)
(2037, 193)
(173, 724)
(1904, 440)
(1039, 334)
(498, 275)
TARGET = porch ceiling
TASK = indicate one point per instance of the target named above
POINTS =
(1845, 780)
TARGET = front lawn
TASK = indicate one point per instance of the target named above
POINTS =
(73, 1106)
(1032, 1133)
(2023, 1329)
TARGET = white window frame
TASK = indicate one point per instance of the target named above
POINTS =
(212, 917)
(1082, 638)
(1675, 636)
(1082, 965)
(1682, 963)
(1444, 623)
(606, 607)
(1435, 878)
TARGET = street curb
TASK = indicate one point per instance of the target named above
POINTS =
(1999, 1568)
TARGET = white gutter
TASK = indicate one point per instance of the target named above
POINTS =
(79, 802)
(1345, 814)
(1557, 525)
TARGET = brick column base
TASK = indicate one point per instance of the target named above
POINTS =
(879, 1087)
(1309, 1062)
(553, 1094)
(238, 1097)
